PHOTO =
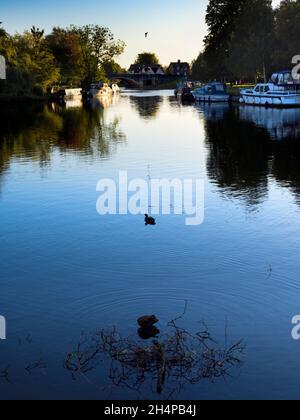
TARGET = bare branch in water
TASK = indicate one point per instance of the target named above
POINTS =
(4, 374)
(167, 364)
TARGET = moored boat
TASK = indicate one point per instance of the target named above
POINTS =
(211, 92)
(115, 88)
(67, 94)
(72, 94)
(99, 89)
(183, 91)
(281, 91)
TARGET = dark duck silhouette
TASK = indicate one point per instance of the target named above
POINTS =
(147, 321)
(147, 327)
(149, 220)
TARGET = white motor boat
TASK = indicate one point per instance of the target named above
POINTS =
(99, 89)
(281, 91)
(72, 94)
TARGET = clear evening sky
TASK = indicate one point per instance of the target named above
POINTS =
(176, 28)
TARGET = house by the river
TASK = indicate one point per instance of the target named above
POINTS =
(179, 69)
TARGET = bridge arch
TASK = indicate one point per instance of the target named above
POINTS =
(129, 82)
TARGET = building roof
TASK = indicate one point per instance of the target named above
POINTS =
(179, 63)
(138, 68)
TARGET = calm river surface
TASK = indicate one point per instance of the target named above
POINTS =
(64, 269)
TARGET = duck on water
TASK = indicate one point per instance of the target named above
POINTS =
(149, 220)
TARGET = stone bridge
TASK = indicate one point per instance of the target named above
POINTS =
(143, 80)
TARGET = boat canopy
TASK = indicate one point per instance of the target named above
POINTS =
(283, 78)
(215, 87)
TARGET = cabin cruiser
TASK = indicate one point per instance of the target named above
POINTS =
(211, 92)
(99, 89)
(72, 94)
(67, 94)
(282, 91)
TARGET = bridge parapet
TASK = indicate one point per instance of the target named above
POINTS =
(143, 80)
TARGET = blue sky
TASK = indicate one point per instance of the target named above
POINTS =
(176, 28)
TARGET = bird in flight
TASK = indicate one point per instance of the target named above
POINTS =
(146, 34)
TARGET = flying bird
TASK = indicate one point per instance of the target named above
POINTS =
(146, 34)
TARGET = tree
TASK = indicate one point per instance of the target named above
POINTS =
(30, 64)
(147, 59)
(287, 33)
(97, 46)
(112, 67)
(250, 46)
(2, 32)
(200, 70)
(220, 18)
(33, 56)
(65, 47)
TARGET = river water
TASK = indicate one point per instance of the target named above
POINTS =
(65, 270)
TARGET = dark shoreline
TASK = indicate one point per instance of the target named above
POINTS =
(23, 99)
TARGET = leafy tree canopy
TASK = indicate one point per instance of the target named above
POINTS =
(147, 59)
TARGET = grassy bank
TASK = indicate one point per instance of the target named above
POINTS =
(236, 89)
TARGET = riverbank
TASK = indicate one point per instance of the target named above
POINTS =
(21, 99)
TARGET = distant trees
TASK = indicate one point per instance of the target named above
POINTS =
(112, 67)
(147, 59)
(64, 45)
(82, 53)
(74, 56)
(251, 43)
(247, 39)
(287, 33)
(31, 67)
(221, 17)
(97, 47)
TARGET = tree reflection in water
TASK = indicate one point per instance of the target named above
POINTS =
(147, 106)
(244, 154)
(34, 131)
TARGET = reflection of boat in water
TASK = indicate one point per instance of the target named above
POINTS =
(280, 123)
(212, 92)
(281, 91)
(115, 89)
(73, 103)
(213, 111)
(104, 101)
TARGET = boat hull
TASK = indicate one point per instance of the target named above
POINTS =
(211, 98)
(270, 100)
